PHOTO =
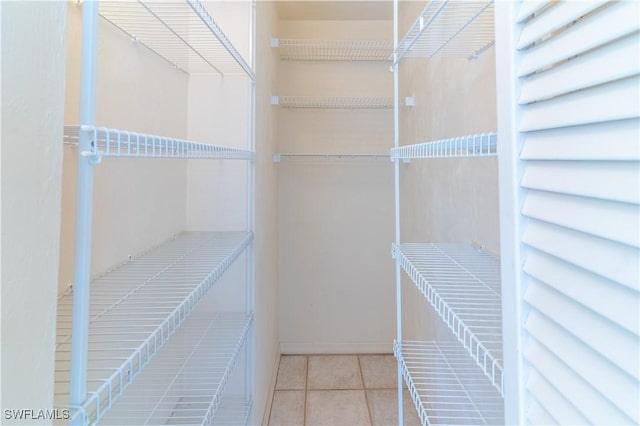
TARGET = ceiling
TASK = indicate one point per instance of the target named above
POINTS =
(329, 10)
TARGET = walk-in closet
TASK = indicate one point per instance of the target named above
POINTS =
(318, 212)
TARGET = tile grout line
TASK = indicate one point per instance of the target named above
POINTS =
(306, 387)
(275, 388)
(364, 389)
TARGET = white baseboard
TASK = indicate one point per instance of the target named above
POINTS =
(274, 376)
(384, 347)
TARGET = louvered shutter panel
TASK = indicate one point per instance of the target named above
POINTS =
(570, 200)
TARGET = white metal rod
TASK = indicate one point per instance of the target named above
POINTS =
(251, 165)
(82, 256)
(396, 171)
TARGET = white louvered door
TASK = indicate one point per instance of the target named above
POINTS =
(569, 157)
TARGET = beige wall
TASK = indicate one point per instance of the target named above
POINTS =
(137, 203)
(335, 218)
(267, 350)
(445, 200)
(33, 50)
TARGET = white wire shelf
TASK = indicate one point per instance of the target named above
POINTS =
(182, 32)
(233, 412)
(308, 157)
(185, 383)
(462, 284)
(122, 143)
(450, 28)
(446, 386)
(480, 145)
(136, 307)
(332, 102)
(333, 50)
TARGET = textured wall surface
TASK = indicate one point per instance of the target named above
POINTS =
(33, 80)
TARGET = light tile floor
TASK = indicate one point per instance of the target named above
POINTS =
(334, 390)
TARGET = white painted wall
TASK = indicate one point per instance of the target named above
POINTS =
(335, 219)
(267, 347)
(137, 203)
(33, 67)
(445, 200)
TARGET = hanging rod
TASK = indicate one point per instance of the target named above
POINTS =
(277, 158)
(480, 145)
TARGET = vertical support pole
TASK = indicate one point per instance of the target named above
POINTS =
(82, 256)
(510, 169)
(396, 170)
(250, 345)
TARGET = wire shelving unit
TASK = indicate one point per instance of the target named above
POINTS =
(136, 307)
(462, 284)
(445, 385)
(115, 332)
(310, 157)
(449, 28)
(459, 382)
(182, 32)
(123, 143)
(480, 145)
(184, 384)
(333, 50)
(315, 102)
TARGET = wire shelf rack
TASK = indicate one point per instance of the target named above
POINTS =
(450, 28)
(185, 383)
(182, 32)
(480, 145)
(233, 412)
(136, 307)
(333, 50)
(122, 143)
(446, 386)
(305, 157)
(462, 284)
(332, 102)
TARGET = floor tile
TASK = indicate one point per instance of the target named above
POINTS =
(383, 406)
(287, 408)
(337, 408)
(379, 371)
(292, 373)
(334, 372)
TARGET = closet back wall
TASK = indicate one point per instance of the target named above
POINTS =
(136, 204)
(336, 217)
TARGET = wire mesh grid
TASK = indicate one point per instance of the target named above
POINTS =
(308, 157)
(335, 102)
(446, 386)
(334, 50)
(453, 28)
(123, 143)
(233, 412)
(185, 383)
(480, 145)
(462, 284)
(136, 307)
(182, 32)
